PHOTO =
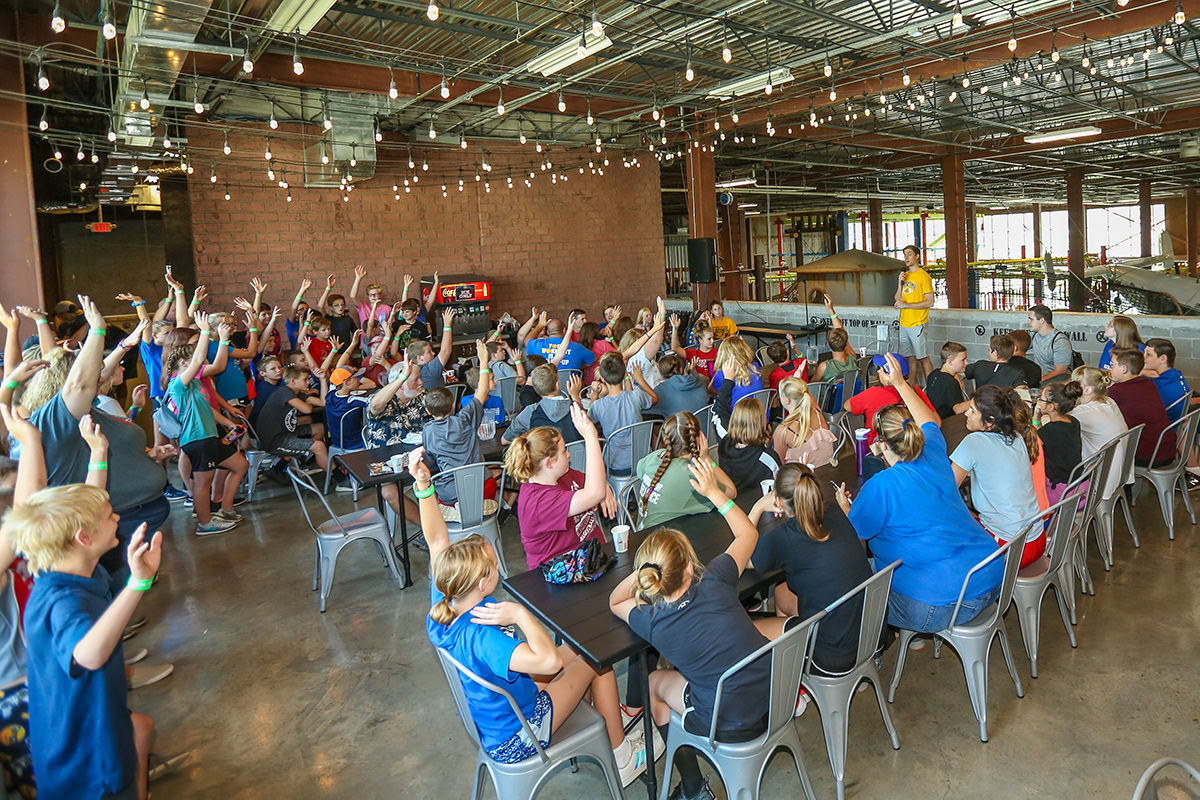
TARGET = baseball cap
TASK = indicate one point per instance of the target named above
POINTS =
(395, 372)
(339, 376)
(65, 307)
(881, 362)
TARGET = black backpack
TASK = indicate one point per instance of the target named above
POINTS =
(1076, 359)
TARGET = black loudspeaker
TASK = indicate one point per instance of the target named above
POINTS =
(702, 260)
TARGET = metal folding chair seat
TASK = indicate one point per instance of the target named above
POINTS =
(1168, 479)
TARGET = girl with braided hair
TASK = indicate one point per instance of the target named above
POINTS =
(998, 455)
(666, 484)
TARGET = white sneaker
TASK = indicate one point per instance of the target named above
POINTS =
(136, 656)
(802, 702)
(214, 525)
(146, 674)
(636, 764)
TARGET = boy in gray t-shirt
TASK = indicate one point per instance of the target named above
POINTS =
(431, 364)
(616, 407)
(452, 439)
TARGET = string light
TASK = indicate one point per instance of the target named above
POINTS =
(562, 104)
(726, 53)
(957, 20)
(581, 50)
(393, 92)
(906, 79)
(1179, 17)
(58, 23)
(225, 148)
(521, 134)
(1012, 39)
(109, 29)
(79, 155)
(247, 61)
(597, 27)
(590, 119)
(462, 141)
(145, 101)
(267, 152)
(500, 100)
(432, 130)
(827, 70)
(425, 163)
(297, 64)
(353, 154)
(444, 90)
(166, 138)
(43, 83)
(689, 73)
(112, 134)
(212, 167)
(1054, 54)
(432, 11)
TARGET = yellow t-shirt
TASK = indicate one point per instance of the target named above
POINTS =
(723, 328)
(917, 284)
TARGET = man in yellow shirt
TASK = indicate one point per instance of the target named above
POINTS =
(914, 298)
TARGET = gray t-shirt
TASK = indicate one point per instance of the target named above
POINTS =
(451, 442)
(611, 413)
(1051, 350)
(431, 373)
(133, 477)
(502, 369)
(1001, 482)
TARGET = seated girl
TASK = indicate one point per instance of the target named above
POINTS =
(913, 511)
(1059, 435)
(997, 457)
(690, 613)
(666, 483)
(557, 509)
(682, 388)
(1100, 419)
(547, 682)
(735, 364)
(821, 558)
(804, 435)
(744, 452)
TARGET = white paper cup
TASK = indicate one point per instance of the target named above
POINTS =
(620, 537)
(396, 462)
(768, 486)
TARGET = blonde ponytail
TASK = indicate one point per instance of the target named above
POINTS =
(799, 421)
(457, 570)
(525, 455)
(661, 563)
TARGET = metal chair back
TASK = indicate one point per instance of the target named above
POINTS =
(1146, 790)
(302, 482)
(705, 417)
(507, 388)
(631, 491)
(469, 481)
(454, 674)
(764, 396)
(577, 452)
(639, 436)
(564, 377)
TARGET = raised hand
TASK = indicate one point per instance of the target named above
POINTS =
(243, 303)
(360, 271)
(583, 423)
(202, 323)
(448, 317)
(139, 395)
(533, 313)
(890, 374)
(32, 313)
(336, 342)
(90, 312)
(675, 321)
(251, 319)
(704, 477)
(144, 557)
(132, 298)
(481, 353)
(418, 468)
(258, 286)
(408, 279)
(170, 279)
(330, 279)
(200, 295)
(305, 284)
(616, 312)
(224, 330)
(828, 302)
(27, 369)
(21, 429)
(131, 341)
(90, 431)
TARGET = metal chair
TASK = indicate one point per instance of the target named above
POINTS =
(741, 765)
(705, 417)
(762, 357)
(582, 735)
(339, 531)
(1167, 479)
(972, 640)
(1103, 460)
(821, 392)
(469, 483)
(507, 388)
(765, 396)
(564, 375)
(357, 414)
(1035, 580)
(1104, 512)
(457, 389)
(640, 436)
(1146, 790)
(625, 515)
(1178, 407)
(833, 694)
(255, 456)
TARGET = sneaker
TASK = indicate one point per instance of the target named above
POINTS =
(146, 674)
(917, 643)
(132, 628)
(630, 716)
(173, 494)
(705, 793)
(636, 764)
(228, 516)
(136, 656)
(417, 540)
(802, 702)
(160, 766)
(187, 501)
(214, 525)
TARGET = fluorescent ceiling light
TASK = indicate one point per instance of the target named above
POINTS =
(1065, 133)
(747, 205)
(735, 182)
(751, 214)
(567, 54)
(752, 83)
(298, 16)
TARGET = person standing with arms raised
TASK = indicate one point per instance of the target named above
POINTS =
(914, 298)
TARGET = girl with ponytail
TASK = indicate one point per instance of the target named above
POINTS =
(998, 457)
(1100, 419)
(913, 511)
(821, 558)
(666, 486)
(467, 622)
(1059, 434)
(690, 613)
(804, 435)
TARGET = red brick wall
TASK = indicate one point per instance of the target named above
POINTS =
(590, 241)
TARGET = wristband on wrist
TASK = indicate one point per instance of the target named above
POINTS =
(179, 291)
(42, 322)
(300, 295)
(421, 494)
(138, 304)
(835, 316)
(723, 510)
(224, 343)
(140, 584)
(253, 330)
(96, 466)
(99, 331)
(11, 383)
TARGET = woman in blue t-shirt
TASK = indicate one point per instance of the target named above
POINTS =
(913, 511)
(1121, 334)
(470, 624)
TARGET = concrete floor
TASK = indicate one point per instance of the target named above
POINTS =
(275, 699)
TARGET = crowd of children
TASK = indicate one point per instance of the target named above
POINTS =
(369, 370)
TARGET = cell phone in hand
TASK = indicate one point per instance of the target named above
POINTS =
(414, 456)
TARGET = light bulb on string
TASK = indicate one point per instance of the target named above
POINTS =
(521, 135)
(590, 119)
(166, 139)
(42, 123)
(832, 93)
(1179, 17)
(432, 130)
(689, 74)
(906, 79)
(225, 148)
(270, 174)
(378, 132)
(411, 163)
(267, 152)
(109, 29)
(562, 104)
(58, 23)
(95, 158)
(827, 70)
(112, 134)
(1012, 39)
(432, 11)
(43, 83)
(79, 155)
(212, 168)
(57, 153)
(393, 92)
(726, 53)
(966, 82)
(1086, 61)
(957, 19)
(425, 163)
(247, 61)
(462, 141)
(145, 101)
(353, 154)
(1054, 54)
(597, 27)
(297, 64)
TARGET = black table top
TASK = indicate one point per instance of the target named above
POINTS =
(781, 329)
(358, 462)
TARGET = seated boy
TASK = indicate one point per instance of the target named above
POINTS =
(944, 388)
(339, 403)
(553, 409)
(285, 424)
(527, 395)
(996, 369)
(786, 366)
(493, 403)
(870, 400)
(430, 365)
(842, 356)
(319, 344)
(270, 373)
(1141, 404)
(1022, 341)
(84, 739)
(615, 407)
(451, 439)
(1171, 385)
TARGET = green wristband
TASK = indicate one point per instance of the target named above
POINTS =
(179, 291)
(42, 322)
(723, 510)
(99, 331)
(226, 343)
(97, 466)
(140, 584)
(422, 494)
(484, 371)
(11, 384)
(254, 330)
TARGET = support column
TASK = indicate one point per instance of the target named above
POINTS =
(1037, 230)
(875, 212)
(702, 212)
(21, 277)
(955, 207)
(1076, 239)
(972, 226)
(1193, 231)
(1145, 221)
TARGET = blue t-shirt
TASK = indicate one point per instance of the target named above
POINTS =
(485, 650)
(292, 328)
(493, 404)
(262, 390)
(79, 726)
(1171, 386)
(577, 356)
(192, 408)
(231, 382)
(912, 511)
(431, 373)
(152, 358)
(739, 391)
(349, 436)
(1106, 354)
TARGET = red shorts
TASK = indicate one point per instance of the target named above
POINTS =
(489, 492)
(1033, 550)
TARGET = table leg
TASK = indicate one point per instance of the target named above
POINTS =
(403, 532)
(648, 723)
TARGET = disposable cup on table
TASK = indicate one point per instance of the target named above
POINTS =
(620, 536)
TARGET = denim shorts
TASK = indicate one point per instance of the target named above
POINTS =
(913, 615)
